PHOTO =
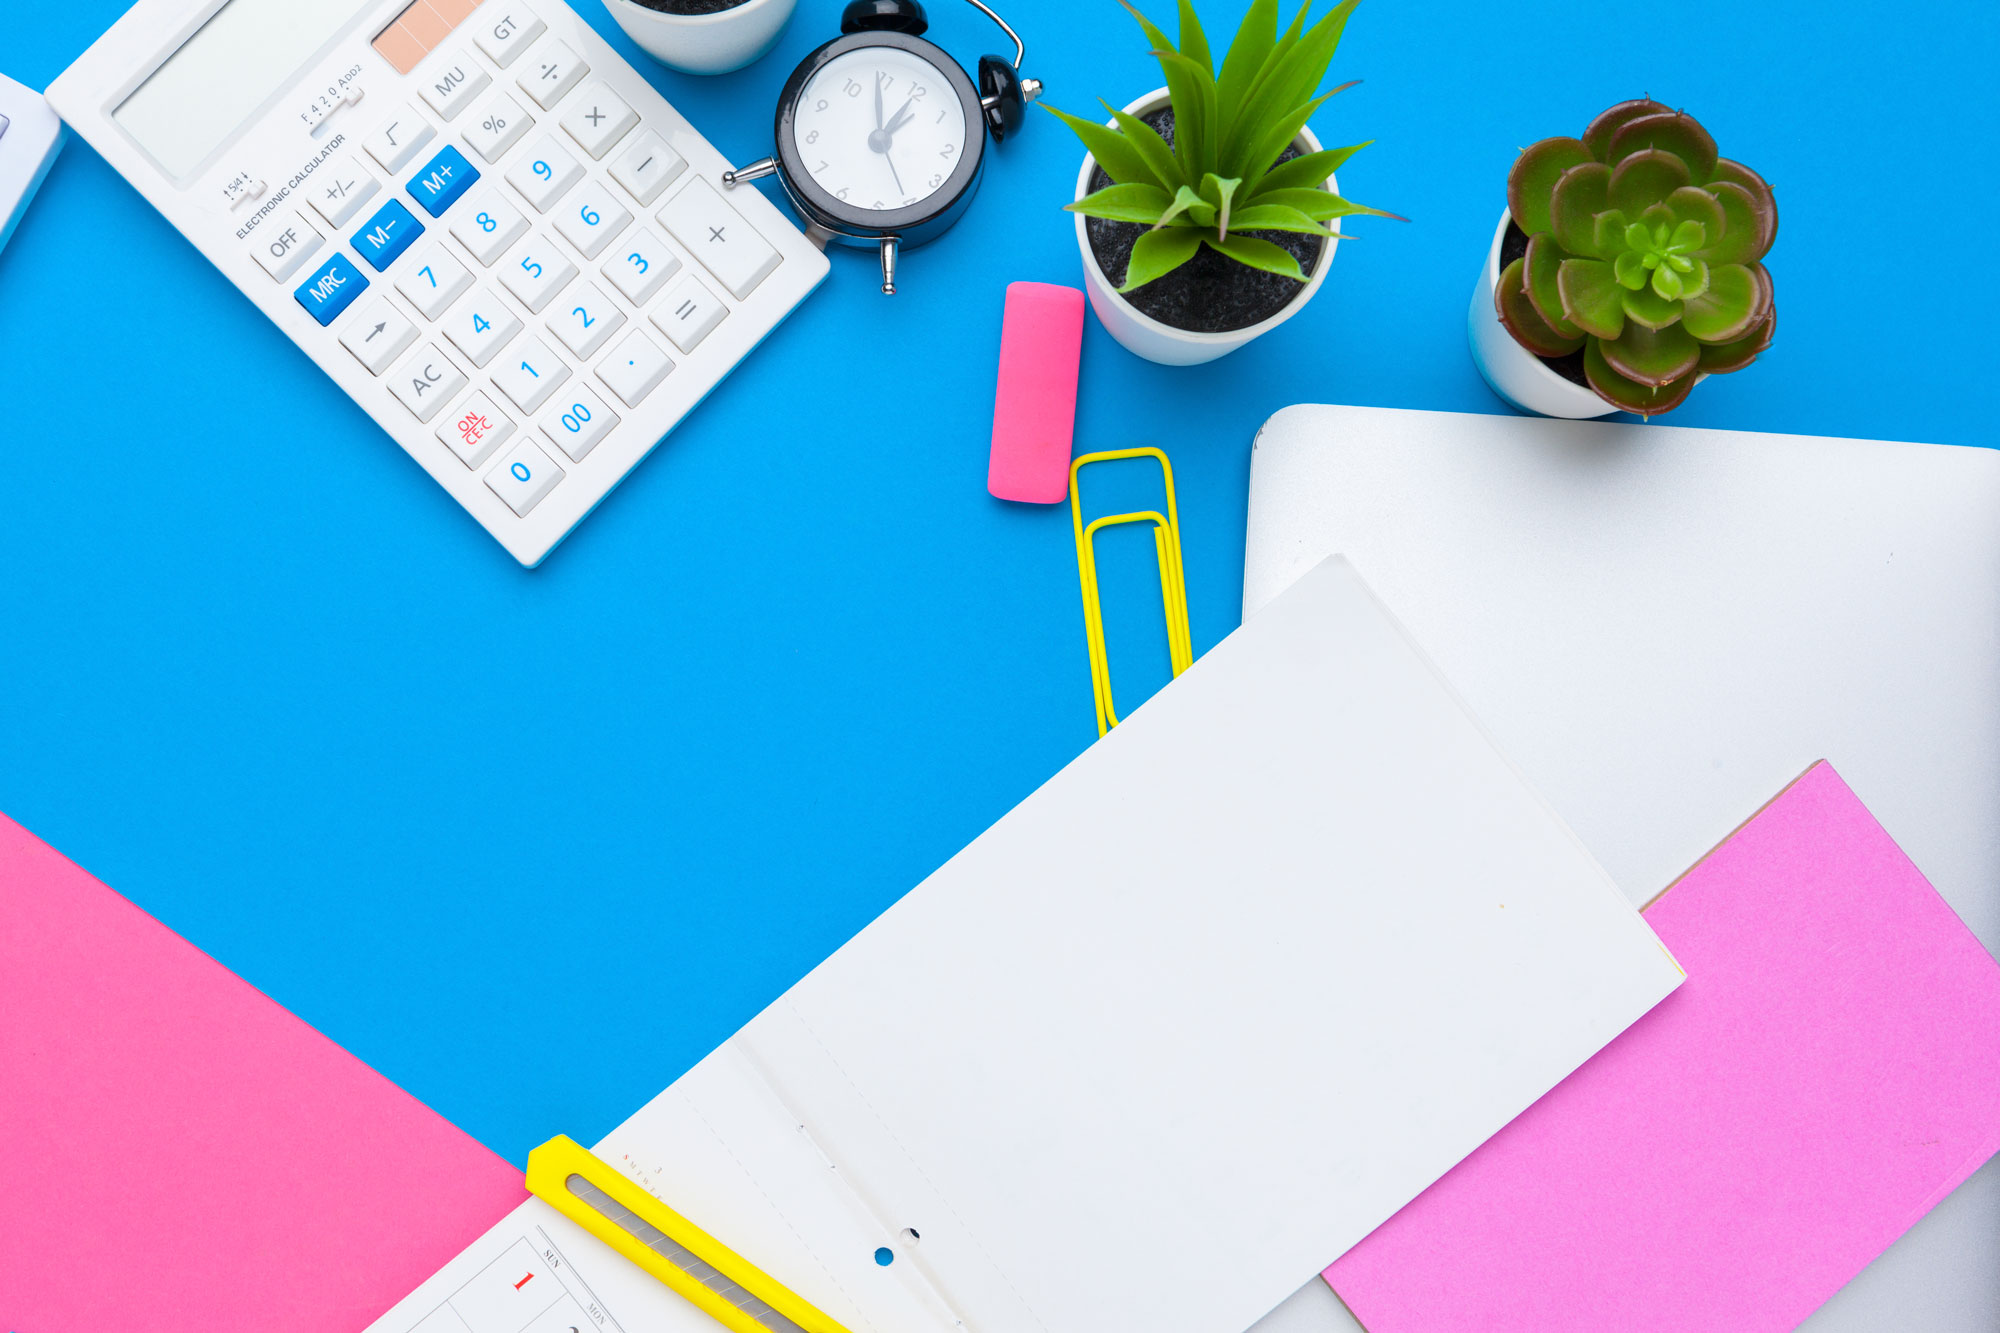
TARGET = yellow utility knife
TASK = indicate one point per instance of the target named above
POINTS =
(603, 1201)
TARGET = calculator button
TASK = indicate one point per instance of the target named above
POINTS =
(554, 71)
(331, 289)
(387, 234)
(530, 373)
(718, 236)
(440, 181)
(340, 187)
(453, 82)
(482, 326)
(475, 430)
(584, 319)
(634, 368)
(544, 174)
(506, 31)
(523, 477)
(378, 335)
(487, 225)
(426, 382)
(689, 313)
(647, 167)
(598, 119)
(283, 243)
(535, 271)
(590, 218)
(397, 140)
(435, 282)
(640, 265)
(497, 126)
(577, 422)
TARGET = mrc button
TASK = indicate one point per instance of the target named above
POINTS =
(440, 181)
(331, 289)
(387, 234)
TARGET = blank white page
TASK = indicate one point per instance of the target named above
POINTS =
(1070, 1060)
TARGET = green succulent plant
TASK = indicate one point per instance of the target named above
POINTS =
(1221, 176)
(1644, 251)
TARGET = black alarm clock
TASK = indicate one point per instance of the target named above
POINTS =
(881, 136)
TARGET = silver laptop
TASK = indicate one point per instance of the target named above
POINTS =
(1665, 625)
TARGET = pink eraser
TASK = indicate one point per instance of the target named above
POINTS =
(1034, 409)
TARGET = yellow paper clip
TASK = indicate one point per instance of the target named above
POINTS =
(604, 1202)
(1173, 583)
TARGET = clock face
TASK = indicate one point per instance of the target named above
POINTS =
(879, 128)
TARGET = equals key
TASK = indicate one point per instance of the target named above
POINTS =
(688, 314)
(647, 167)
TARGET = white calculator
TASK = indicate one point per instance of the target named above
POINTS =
(476, 217)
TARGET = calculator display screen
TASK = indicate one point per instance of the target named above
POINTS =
(246, 51)
(416, 31)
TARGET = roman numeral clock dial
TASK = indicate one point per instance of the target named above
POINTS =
(881, 136)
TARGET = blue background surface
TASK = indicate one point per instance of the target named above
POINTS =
(263, 677)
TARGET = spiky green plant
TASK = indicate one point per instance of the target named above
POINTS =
(1221, 176)
(1643, 250)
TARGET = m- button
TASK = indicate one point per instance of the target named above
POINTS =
(717, 235)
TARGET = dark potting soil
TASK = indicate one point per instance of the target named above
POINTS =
(1513, 246)
(1211, 293)
(690, 8)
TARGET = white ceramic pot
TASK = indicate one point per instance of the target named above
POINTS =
(1514, 372)
(1145, 336)
(704, 43)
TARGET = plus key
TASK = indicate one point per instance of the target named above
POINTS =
(716, 234)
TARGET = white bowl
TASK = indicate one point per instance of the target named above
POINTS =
(1145, 336)
(1514, 372)
(704, 43)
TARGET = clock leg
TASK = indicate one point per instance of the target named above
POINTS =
(889, 244)
(761, 167)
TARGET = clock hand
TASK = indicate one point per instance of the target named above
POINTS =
(878, 138)
(896, 121)
(896, 176)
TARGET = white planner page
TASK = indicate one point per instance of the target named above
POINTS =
(1060, 1085)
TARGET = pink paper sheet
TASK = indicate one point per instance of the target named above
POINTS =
(178, 1154)
(1829, 1072)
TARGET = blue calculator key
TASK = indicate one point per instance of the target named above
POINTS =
(387, 234)
(331, 289)
(440, 181)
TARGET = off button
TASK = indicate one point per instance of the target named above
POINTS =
(283, 242)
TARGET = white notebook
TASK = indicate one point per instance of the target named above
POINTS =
(1059, 1082)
